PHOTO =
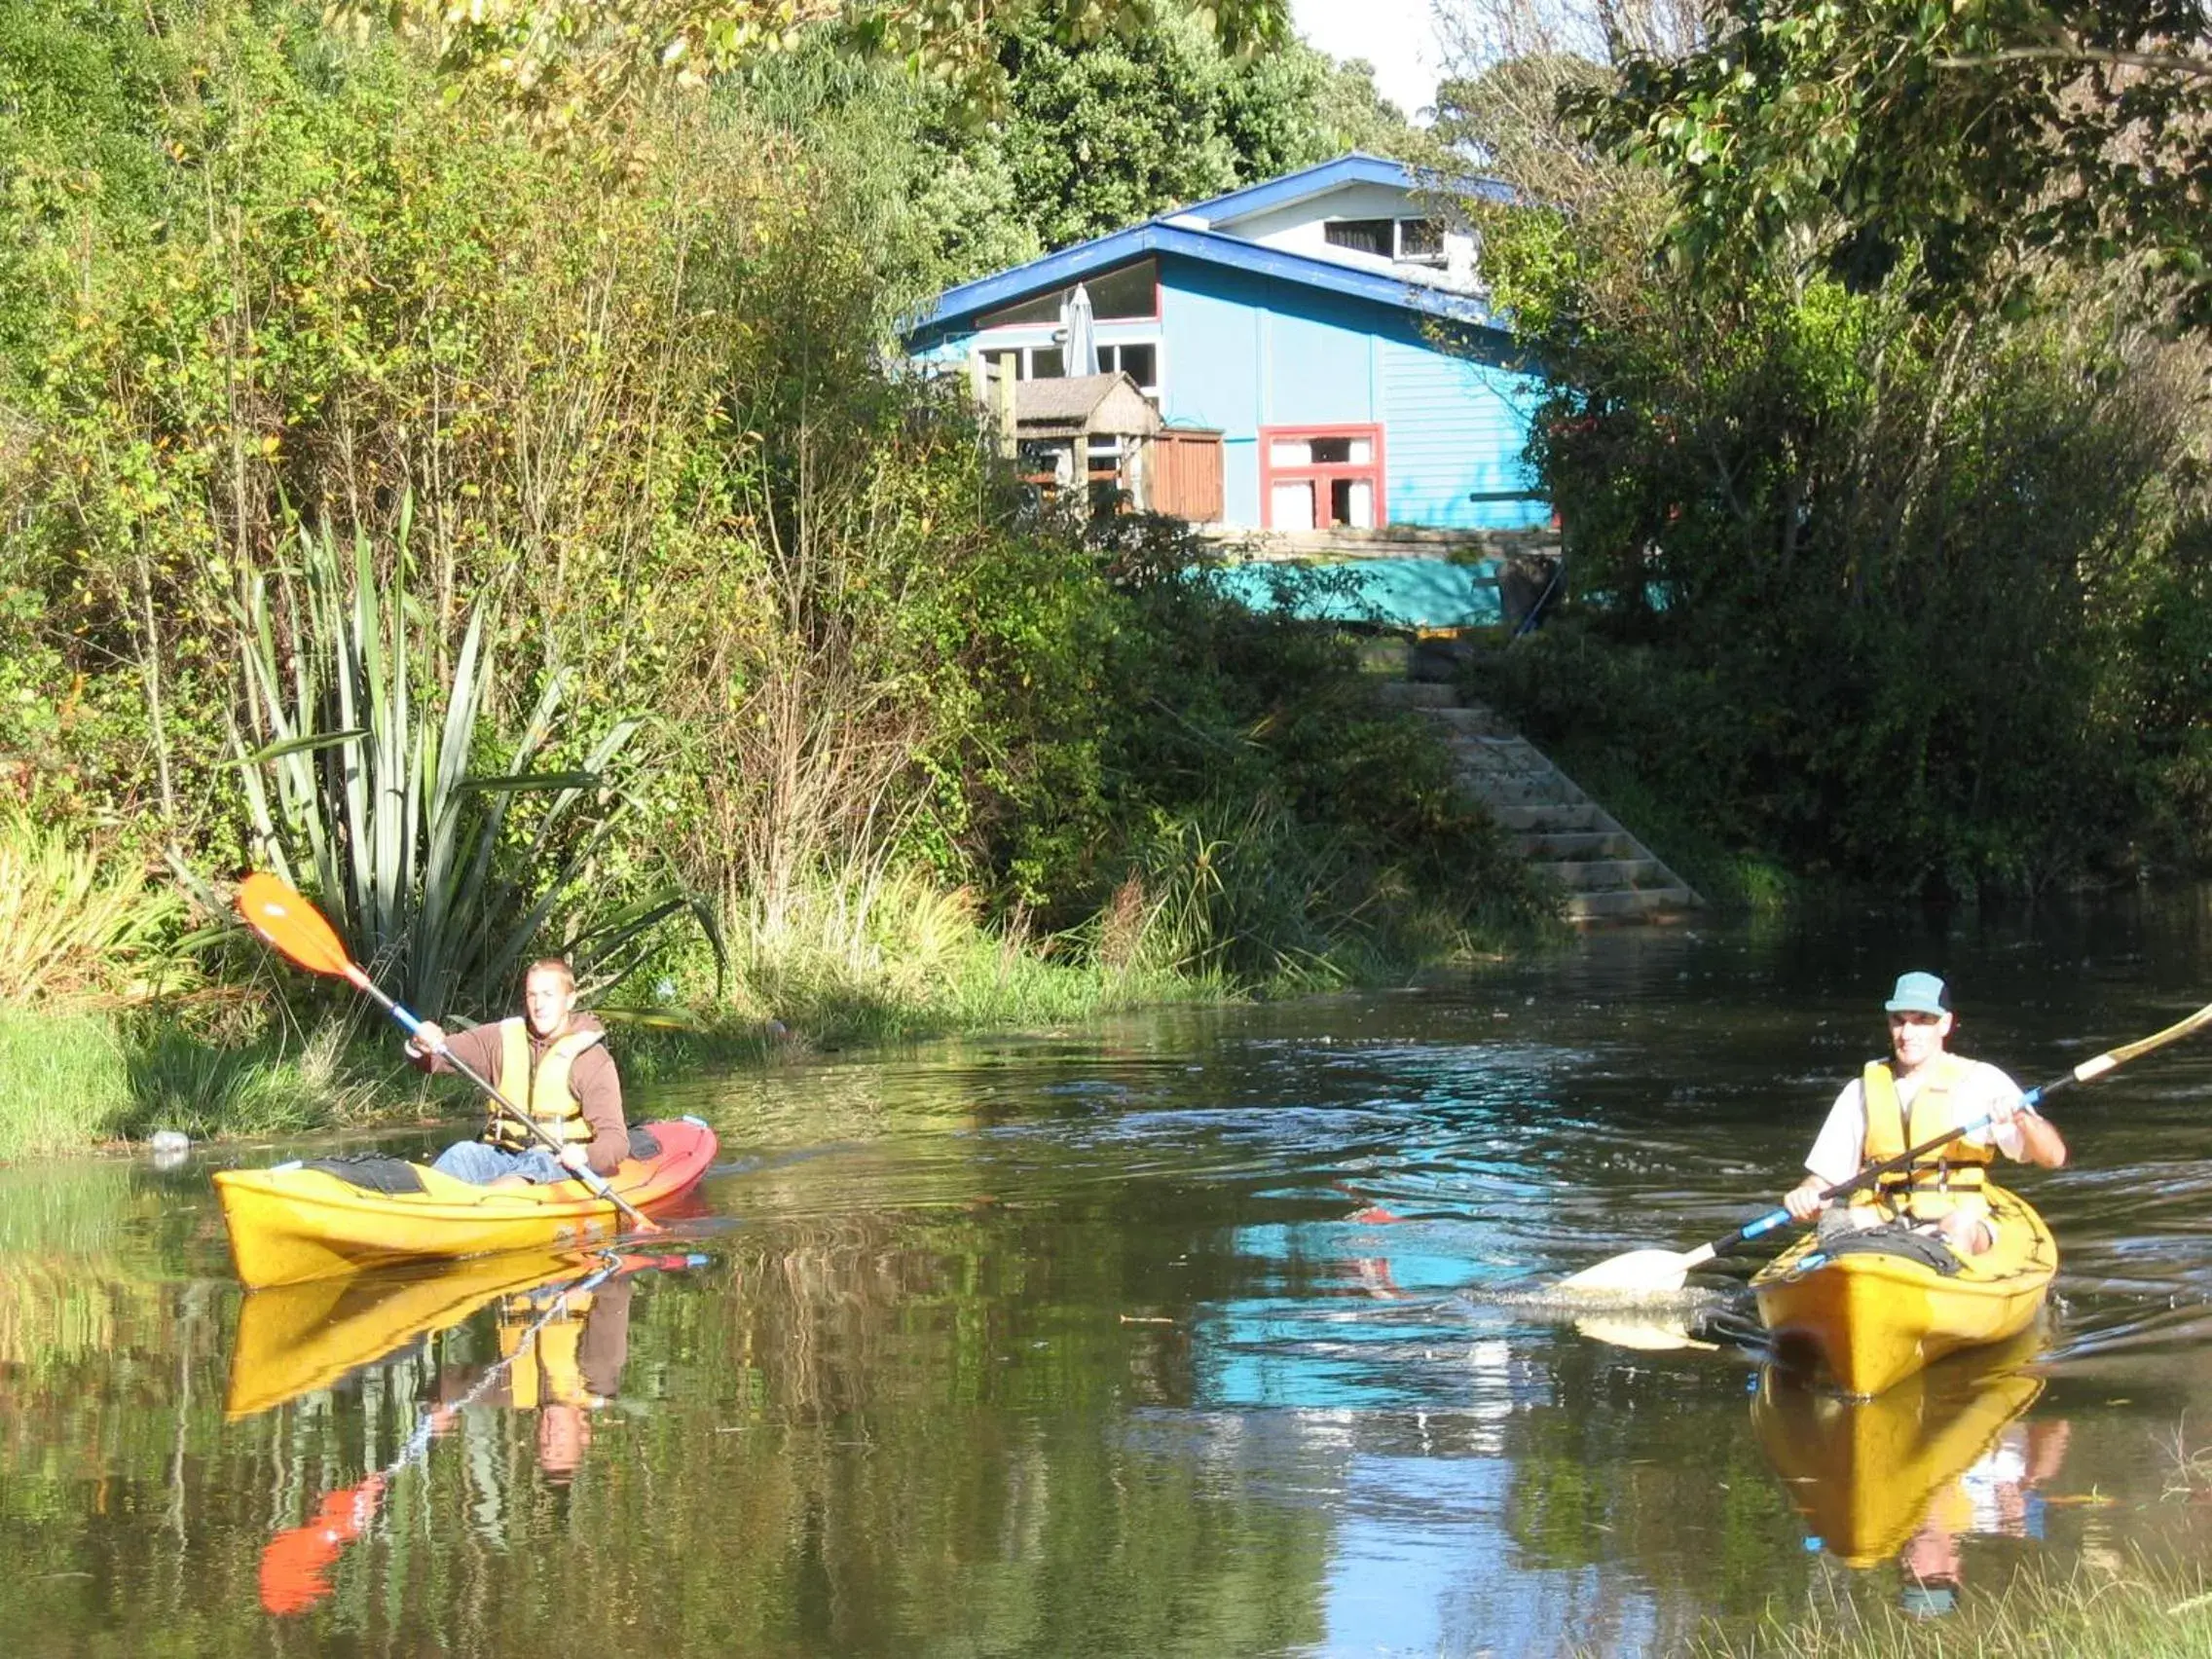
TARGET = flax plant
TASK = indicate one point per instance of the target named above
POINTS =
(359, 789)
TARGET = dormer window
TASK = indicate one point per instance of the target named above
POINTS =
(1407, 242)
(1421, 242)
(1362, 235)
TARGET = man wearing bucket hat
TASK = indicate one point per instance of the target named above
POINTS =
(1913, 1097)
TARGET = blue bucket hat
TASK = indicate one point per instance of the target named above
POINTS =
(1927, 1600)
(1919, 993)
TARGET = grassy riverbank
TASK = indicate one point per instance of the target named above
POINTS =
(922, 967)
(2141, 1609)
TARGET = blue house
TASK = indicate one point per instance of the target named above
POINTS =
(1300, 320)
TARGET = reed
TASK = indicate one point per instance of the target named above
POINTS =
(872, 954)
(64, 1082)
(73, 1082)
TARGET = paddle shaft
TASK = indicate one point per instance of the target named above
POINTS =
(413, 1027)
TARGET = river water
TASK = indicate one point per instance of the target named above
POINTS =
(1199, 1332)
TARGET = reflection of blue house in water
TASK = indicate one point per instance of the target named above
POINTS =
(1319, 347)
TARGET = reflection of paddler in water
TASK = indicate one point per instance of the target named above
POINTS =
(563, 1345)
(1910, 1472)
(1995, 1497)
(294, 1338)
(1375, 1276)
(562, 1354)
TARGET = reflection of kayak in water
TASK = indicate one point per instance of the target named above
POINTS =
(296, 1338)
(1863, 1472)
(1865, 1316)
(304, 1221)
(564, 1336)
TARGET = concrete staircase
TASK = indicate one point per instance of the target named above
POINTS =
(1608, 875)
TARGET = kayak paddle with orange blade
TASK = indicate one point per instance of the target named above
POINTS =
(295, 928)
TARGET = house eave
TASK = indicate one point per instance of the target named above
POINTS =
(1213, 248)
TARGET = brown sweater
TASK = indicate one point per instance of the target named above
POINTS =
(592, 1080)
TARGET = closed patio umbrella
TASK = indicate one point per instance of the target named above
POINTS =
(1083, 338)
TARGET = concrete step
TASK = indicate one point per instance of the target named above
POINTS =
(1497, 789)
(1553, 818)
(1576, 844)
(1598, 875)
(1630, 903)
(1499, 755)
(1610, 876)
(1417, 694)
(1474, 722)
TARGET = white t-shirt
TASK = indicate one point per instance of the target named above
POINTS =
(1841, 1147)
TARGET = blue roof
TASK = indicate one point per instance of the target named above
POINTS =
(1355, 166)
(1156, 236)
(1164, 235)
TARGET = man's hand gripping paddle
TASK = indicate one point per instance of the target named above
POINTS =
(297, 930)
(1660, 1273)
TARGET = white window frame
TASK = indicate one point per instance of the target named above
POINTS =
(1028, 339)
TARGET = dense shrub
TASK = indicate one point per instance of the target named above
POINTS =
(628, 406)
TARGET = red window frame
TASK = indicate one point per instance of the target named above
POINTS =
(1319, 472)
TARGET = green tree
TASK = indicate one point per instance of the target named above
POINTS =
(1950, 143)
(1097, 134)
(571, 62)
(1875, 566)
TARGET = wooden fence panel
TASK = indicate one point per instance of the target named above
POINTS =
(1186, 473)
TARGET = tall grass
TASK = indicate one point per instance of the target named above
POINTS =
(64, 1082)
(870, 954)
(71, 1081)
(2142, 1608)
(71, 925)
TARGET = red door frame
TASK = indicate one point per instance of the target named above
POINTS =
(1320, 473)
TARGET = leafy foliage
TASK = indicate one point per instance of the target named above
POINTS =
(70, 925)
(1088, 135)
(371, 796)
(1945, 142)
(1868, 575)
(634, 393)
(572, 63)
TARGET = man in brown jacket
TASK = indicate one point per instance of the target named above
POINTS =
(553, 1063)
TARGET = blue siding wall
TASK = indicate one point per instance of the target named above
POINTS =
(1456, 427)
(1243, 352)
(1239, 351)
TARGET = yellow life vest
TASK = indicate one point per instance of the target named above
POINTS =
(540, 1089)
(1947, 1179)
(553, 1373)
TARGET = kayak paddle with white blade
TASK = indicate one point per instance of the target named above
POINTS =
(1659, 1272)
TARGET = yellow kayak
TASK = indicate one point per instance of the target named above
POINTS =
(296, 1222)
(296, 1338)
(1864, 1473)
(1867, 1319)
